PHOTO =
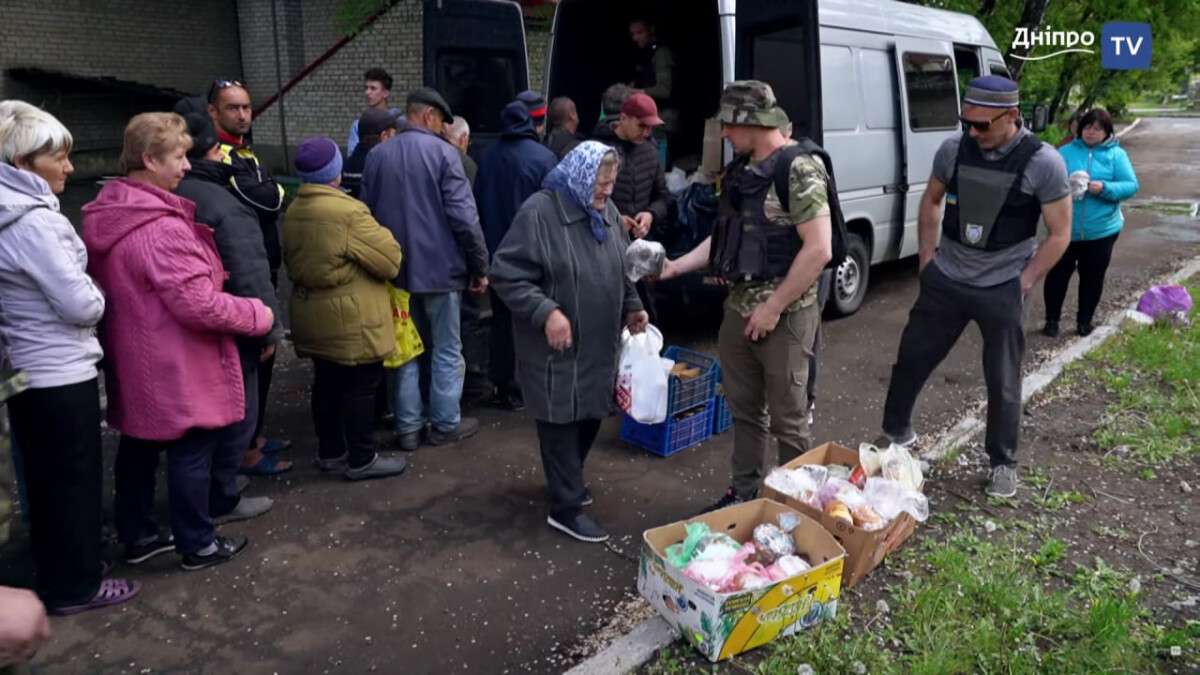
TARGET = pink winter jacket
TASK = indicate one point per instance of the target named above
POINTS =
(170, 358)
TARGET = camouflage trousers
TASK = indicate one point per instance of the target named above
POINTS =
(766, 385)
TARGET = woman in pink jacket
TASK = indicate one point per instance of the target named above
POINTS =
(174, 380)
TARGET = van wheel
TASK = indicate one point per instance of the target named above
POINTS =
(851, 277)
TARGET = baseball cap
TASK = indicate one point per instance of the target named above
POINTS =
(643, 108)
(375, 120)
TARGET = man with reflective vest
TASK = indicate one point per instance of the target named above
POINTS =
(997, 180)
(251, 181)
(778, 225)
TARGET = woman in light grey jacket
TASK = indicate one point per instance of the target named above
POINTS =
(49, 308)
(560, 269)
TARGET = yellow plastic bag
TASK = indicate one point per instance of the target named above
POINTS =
(408, 340)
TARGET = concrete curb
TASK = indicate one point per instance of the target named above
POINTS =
(629, 651)
(632, 650)
(1129, 128)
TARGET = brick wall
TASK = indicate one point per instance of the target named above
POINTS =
(330, 98)
(164, 44)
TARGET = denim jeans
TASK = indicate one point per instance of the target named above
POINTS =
(449, 368)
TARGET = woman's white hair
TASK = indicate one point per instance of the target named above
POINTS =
(27, 131)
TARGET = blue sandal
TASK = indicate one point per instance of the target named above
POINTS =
(269, 465)
(274, 446)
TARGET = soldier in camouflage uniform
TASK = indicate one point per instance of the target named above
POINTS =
(771, 314)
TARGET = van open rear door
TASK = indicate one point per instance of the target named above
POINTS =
(778, 42)
(475, 56)
(929, 110)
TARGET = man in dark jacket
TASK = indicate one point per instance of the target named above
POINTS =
(231, 114)
(512, 170)
(641, 190)
(374, 127)
(415, 186)
(564, 127)
(239, 243)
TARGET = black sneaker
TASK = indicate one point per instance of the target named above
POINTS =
(1085, 329)
(227, 547)
(1050, 329)
(467, 427)
(581, 527)
(730, 498)
(587, 498)
(136, 554)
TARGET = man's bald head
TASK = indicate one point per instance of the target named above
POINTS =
(563, 114)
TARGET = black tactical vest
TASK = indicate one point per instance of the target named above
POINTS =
(985, 207)
(746, 245)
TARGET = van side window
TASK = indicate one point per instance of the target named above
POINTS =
(998, 69)
(931, 92)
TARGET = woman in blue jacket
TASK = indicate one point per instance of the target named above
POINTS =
(1097, 219)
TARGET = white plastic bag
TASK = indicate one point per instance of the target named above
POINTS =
(676, 180)
(642, 376)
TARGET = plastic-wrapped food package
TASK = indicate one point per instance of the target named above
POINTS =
(838, 509)
(889, 499)
(866, 517)
(899, 465)
(840, 490)
(838, 471)
(792, 565)
(796, 484)
(816, 472)
(644, 258)
(717, 545)
(771, 543)
(789, 521)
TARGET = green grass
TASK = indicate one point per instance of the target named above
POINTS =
(1153, 374)
(977, 605)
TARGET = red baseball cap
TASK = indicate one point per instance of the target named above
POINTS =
(643, 108)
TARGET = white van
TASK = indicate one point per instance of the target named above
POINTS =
(875, 82)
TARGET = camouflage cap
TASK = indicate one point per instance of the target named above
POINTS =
(752, 103)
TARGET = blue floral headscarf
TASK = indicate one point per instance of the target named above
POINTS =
(575, 179)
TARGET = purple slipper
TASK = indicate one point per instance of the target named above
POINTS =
(112, 592)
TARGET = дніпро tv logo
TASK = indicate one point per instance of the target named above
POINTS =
(1123, 45)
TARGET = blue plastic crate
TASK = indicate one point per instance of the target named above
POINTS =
(684, 395)
(666, 438)
(722, 415)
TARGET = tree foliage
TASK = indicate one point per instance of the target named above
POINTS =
(1076, 81)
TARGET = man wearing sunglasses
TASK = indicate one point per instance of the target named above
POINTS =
(251, 182)
(996, 181)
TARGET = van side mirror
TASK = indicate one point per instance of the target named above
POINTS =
(1039, 118)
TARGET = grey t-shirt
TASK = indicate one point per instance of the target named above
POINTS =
(1045, 178)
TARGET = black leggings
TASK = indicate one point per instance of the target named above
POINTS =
(58, 429)
(1091, 258)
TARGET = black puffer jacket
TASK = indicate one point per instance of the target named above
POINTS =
(239, 242)
(641, 183)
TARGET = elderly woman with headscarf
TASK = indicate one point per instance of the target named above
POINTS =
(560, 271)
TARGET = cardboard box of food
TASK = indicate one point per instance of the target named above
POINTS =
(722, 625)
(864, 550)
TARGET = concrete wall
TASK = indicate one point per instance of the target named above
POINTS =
(153, 42)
